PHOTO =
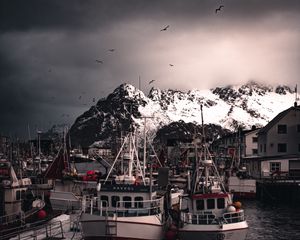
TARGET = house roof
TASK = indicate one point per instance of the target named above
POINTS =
(277, 119)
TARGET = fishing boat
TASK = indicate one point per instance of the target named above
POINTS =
(241, 185)
(127, 204)
(18, 204)
(208, 212)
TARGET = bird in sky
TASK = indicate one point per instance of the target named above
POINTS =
(111, 50)
(165, 28)
(171, 65)
(99, 61)
(151, 81)
(219, 9)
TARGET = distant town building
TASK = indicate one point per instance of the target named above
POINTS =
(279, 144)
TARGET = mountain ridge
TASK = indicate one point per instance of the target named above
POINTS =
(229, 107)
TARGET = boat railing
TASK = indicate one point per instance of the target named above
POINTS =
(234, 217)
(200, 218)
(139, 208)
(95, 206)
(13, 218)
(52, 230)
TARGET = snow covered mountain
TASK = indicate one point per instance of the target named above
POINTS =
(228, 107)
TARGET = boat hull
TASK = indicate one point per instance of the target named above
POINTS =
(236, 231)
(242, 188)
(133, 228)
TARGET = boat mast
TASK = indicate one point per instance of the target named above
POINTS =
(204, 148)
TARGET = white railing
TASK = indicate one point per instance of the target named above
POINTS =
(210, 218)
(95, 206)
(199, 219)
(51, 230)
(12, 218)
(139, 208)
(234, 217)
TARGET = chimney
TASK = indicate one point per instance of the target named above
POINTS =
(295, 104)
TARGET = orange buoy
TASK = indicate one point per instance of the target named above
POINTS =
(237, 205)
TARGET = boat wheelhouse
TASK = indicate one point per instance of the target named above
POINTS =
(127, 205)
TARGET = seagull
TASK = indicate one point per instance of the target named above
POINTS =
(151, 81)
(99, 61)
(171, 65)
(219, 9)
(165, 28)
(111, 50)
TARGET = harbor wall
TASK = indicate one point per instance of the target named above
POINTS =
(279, 191)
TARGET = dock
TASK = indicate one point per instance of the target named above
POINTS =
(283, 190)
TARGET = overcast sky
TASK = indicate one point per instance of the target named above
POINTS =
(48, 51)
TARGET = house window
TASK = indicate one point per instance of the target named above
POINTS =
(114, 201)
(200, 204)
(265, 147)
(211, 203)
(282, 147)
(254, 152)
(275, 166)
(298, 128)
(281, 129)
(254, 139)
(260, 147)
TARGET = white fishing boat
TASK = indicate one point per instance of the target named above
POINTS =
(241, 185)
(208, 212)
(18, 205)
(127, 205)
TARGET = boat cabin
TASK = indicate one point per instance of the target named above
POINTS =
(214, 202)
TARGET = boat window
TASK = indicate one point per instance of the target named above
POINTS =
(104, 200)
(200, 204)
(138, 202)
(210, 203)
(114, 200)
(127, 201)
(18, 195)
(23, 194)
(220, 203)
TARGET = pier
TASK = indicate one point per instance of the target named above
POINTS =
(284, 190)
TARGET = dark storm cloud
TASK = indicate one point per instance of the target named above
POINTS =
(48, 50)
(86, 14)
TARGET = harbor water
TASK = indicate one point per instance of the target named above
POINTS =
(271, 222)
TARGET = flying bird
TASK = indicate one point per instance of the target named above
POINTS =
(99, 61)
(165, 28)
(219, 9)
(111, 50)
(171, 65)
(151, 81)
